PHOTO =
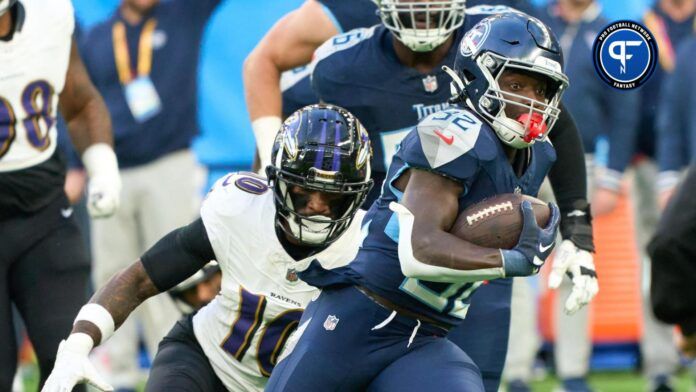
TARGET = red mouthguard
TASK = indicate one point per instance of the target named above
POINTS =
(535, 125)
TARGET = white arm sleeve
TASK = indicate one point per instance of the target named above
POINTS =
(413, 268)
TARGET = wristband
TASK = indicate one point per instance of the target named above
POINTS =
(265, 130)
(99, 316)
(99, 158)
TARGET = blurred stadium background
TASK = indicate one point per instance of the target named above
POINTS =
(235, 29)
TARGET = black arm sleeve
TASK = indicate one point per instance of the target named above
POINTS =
(178, 255)
(568, 175)
(569, 182)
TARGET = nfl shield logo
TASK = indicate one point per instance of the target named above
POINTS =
(330, 322)
(291, 275)
(430, 83)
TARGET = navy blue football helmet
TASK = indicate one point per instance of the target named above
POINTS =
(320, 148)
(509, 41)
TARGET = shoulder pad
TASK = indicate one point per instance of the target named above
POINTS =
(489, 9)
(233, 194)
(448, 134)
(343, 41)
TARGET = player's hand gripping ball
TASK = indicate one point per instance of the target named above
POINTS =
(496, 222)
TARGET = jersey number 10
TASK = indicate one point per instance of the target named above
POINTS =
(273, 335)
(37, 102)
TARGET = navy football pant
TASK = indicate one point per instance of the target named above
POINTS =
(347, 342)
(484, 333)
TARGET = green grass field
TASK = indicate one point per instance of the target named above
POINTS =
(618, 382)
(602, 382)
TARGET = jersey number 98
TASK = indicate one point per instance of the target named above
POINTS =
(37, 102)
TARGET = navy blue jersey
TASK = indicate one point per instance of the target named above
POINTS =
(360, 71)
(455, 143)
(345, 15)
(349, 15)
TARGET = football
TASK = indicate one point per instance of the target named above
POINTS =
(496, 222)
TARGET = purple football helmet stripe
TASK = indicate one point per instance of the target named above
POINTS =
(320, 154)
(337, 151)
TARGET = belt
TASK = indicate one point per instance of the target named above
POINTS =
(389, 305)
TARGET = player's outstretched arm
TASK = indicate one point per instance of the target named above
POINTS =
(170, 261)
(97, 320)
(288, 44)
(428, 251)
(89, 124)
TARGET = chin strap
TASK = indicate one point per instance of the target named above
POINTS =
(457, 86)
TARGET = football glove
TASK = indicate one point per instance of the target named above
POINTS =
(535, 244)
(104, 188)
(578, 264)
(73, 366)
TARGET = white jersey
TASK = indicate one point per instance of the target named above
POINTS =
(32, 75)
(243, 330)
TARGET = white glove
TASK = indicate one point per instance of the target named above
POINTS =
(578, 264)
(104, 188)
(73, 366)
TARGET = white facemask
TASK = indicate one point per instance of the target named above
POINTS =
(311, 232)
(442, 18)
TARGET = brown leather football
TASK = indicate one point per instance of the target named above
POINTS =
(496, 222)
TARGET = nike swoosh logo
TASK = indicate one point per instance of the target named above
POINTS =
(447, 139)
(543, 248)
(576, 213)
